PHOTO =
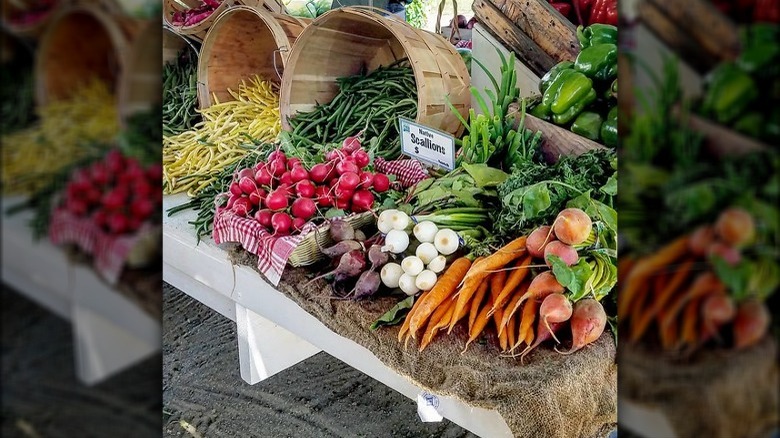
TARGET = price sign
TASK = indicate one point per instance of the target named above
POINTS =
(427, 144)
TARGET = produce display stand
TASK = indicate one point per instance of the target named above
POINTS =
(110, 331)
(274, 333)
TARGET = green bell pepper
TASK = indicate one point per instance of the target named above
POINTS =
(772, 126)
(575, 109)
(574, 86)
(729, 93)
(550, 76)
(612, 91)
(549, 95)
(588, 124)
(751, 124)
(597, 34)
(598, 61)
(609, 129)
(759, 57)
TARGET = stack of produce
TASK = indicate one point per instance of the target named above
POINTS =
(587, 12)
(750, 11)
(117, 194)
(282, 194)
(582, 95)
(180, 93)
(68, 130)
(371, 103)
(194, 158)
(193, 16)
(745, 94)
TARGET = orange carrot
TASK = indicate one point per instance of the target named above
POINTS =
(668, 335)
(542, 285)
(648, 266)
(479, 325)
(625, 264)
(514, 280)
(476, 302)
(495, 288)
(443, 289)
(704, 284)
(530, 309)
(511, 331)
(502, 257)
(516, 295)
(688, 335)
(660, 298)
(438, 321)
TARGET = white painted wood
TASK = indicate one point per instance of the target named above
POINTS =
(199, 291)
(264, 348)
(644, 421)
(484, 48)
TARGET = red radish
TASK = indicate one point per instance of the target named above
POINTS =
(99, 174)
(101, 218)
(247, 185)
(332, 174)
(342, 193)
(567, 253)
(232, 200)
(235, 189)
(350, 144)
(572, 226)
(276, 200)
(264, 217)
(258, 166)
(263, 177)
(277, 155)
(362, 200)
(342, 204)
(333, 155)
(361, 158)
(154, 172)
(319, 173)
(142, 189)
(114, 161)
(538, 240)
(751, 323)
(93, 195)
(381, 183)
(256, 197)
(333, 182)
(242, 206)
(323, 196)
(287, 189)
(142, 208)
(303, 208)
(350, 265)
(293, 162)
(286, 178)
(277, 167)
(305, 189)
(117, 223)
(77, 207)
(366, 180)
(349, 181)
(246, 173)
(298, 223)
(281, 223)
(115, 199)
(588, 320)
(729, 254)
(701, 239)
(555, 308)
(736, 227)
(346, 166)
(299, 174)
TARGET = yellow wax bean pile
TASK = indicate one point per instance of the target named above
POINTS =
(67, 131)
(192, 159)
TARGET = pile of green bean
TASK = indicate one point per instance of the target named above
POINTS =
(180, 93)
(369, 102)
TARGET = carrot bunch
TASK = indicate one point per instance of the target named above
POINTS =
(676, 292)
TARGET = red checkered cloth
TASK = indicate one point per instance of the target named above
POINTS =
(408, 172)
(272, 252)
(109, 252)
(463, 44)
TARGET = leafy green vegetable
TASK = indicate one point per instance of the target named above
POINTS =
(395, 315)
(574, 278)
(484, 175)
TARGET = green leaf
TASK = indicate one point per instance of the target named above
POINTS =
(334, 212)
(536, 199)
(607, 214)
(562, 272)
(484, 175)
(572, 277)
(395, 315)
(611, 187)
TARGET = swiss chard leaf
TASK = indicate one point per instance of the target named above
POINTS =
(395, 315)
(484, 175)
(573, 278)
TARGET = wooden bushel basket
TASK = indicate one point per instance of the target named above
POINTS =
(243, 42)
(343, 41)
(140, 85)
(197, 31)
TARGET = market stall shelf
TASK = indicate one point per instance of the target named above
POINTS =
(111, 332)
(266, 317)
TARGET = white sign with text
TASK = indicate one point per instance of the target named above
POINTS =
(427, 144)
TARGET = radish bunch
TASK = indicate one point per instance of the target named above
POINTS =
(282, 194)
(118, 193)
(194, 16)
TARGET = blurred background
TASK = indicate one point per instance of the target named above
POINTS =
(699, 218)
(81, 241)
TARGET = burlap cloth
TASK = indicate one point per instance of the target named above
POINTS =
(141, 286)
(551, 396)
(714, 394)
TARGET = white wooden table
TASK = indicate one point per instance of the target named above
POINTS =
(274, 333)
(110, 332)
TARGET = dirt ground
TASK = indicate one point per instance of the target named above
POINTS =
(41, 396)
(320, 396)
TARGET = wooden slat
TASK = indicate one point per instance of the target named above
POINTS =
(556, 141)
(550, 30)
(721, 140)
(512, 37)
